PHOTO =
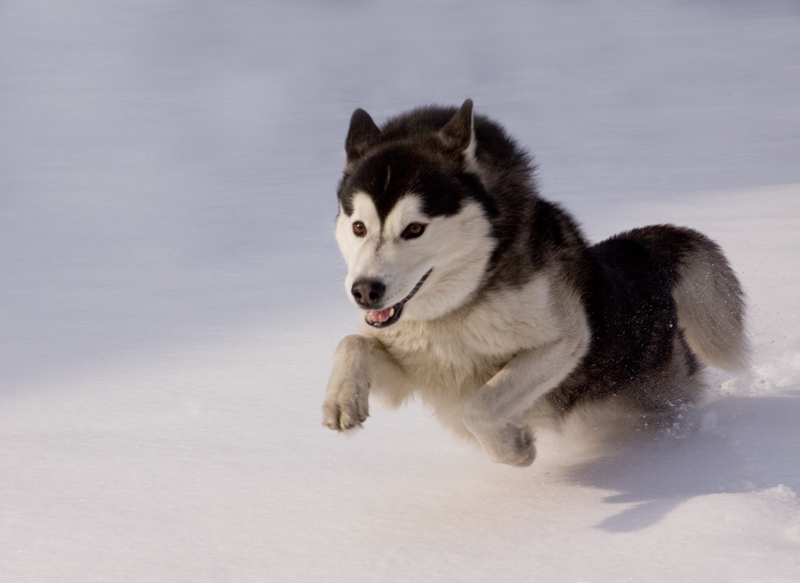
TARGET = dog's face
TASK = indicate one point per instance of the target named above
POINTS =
(411, 228)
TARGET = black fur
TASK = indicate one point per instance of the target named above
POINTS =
(634, 322)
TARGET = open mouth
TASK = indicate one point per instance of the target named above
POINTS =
(388, 316)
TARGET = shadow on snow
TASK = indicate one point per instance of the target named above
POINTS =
(744, 444)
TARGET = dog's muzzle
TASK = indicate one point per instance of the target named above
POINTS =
(388, 316)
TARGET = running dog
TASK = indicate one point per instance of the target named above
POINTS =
(487, 302)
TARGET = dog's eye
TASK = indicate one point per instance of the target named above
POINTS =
(413, 231)
(359, 229)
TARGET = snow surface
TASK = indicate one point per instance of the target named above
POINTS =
(170, 292)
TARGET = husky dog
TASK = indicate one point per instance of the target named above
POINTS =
(487, 302)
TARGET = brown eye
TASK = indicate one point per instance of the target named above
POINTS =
(359, 229)
(413, 231)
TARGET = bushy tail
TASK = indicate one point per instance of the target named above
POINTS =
(708, 296)
(711, 305)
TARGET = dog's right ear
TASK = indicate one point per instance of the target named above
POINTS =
(459, 133)
(361, 134)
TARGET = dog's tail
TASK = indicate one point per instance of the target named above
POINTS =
(708, 296)
(711, 306)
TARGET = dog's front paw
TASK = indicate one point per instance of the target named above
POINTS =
(347, 396)
(346, 406)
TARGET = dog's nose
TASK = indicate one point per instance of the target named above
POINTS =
(368, 292)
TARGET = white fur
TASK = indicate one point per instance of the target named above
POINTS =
(456, 248)
(482, 366)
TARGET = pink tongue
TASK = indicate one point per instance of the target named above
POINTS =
(378, 316)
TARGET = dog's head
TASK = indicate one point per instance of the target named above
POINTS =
(414, 217)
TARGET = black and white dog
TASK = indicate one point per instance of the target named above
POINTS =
(486, 301)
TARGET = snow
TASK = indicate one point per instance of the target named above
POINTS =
(171, 294)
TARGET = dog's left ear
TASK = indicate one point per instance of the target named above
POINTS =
(459, 133)
(361, 134)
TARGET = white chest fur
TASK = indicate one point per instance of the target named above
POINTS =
(448, 359)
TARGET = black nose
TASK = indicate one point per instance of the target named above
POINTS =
(368, 292)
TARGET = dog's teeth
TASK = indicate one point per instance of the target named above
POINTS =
(391, 312)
